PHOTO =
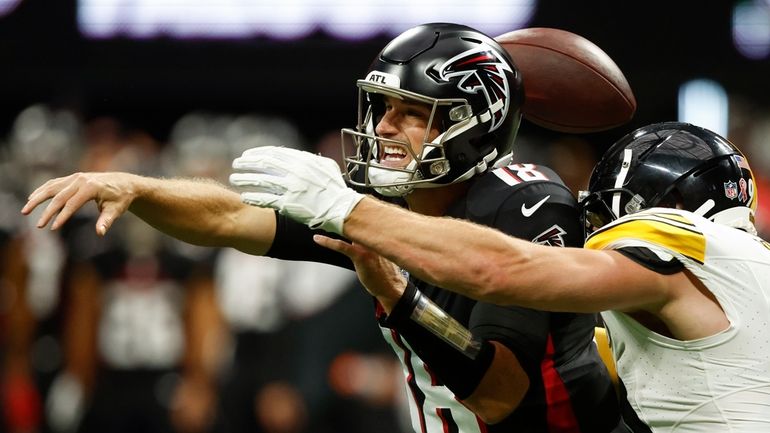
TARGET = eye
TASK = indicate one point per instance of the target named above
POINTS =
(379, 110)
(416, 113)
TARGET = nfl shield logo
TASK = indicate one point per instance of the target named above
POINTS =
(731, 190)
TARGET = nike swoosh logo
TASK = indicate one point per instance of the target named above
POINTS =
(528, 211)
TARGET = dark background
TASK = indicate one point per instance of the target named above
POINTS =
(151, 83)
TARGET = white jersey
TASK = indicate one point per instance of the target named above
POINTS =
(719, 383)
(433, 408)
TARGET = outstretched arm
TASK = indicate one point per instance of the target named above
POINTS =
(197, 211)
(486, 264)
(467, 258)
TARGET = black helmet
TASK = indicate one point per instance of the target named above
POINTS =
(474, 91)
(672, 164)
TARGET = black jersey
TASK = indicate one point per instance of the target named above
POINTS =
(570, 389)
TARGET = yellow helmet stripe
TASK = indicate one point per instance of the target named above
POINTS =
(683, 239)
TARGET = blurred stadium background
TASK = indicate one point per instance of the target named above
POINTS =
(151, 62)
(172, 87)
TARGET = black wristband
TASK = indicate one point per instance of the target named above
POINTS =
(403, 308)
(456, 370)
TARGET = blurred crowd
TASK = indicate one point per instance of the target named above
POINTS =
(137, 332)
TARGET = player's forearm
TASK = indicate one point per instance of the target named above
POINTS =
(488, 265)
(450, 253)
(484, 375)
(202, 212)
(454, 355)
(474, 260)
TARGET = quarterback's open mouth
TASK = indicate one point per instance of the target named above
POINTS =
(393, 155)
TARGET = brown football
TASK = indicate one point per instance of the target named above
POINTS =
(570, 84)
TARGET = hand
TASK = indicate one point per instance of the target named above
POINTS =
(308, 188)
(112, 192)
(382, 278)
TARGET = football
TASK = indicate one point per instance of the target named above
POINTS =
(570, 84)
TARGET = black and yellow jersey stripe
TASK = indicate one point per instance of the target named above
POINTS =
(672, 231)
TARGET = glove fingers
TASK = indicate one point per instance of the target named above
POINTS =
(259, 150)
(268, 159)
(331, 165)
(282, 161)
(285, 154)
(258, 182)
(260, 164)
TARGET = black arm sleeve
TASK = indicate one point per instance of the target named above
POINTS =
(523, 331)
(457, 371)
(294, 241)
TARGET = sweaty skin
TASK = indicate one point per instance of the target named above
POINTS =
(200, 212)
(485, 264)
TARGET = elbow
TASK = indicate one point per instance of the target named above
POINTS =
(502, 389)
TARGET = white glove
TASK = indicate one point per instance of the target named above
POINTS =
(306, 187)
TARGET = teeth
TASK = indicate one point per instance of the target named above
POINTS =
(393, 151)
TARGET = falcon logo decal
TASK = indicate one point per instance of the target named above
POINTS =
(482, 70)
(553, 237)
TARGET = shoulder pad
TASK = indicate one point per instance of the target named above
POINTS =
(522, 182)
(542, 211)
(669, 230)
(515, 174)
